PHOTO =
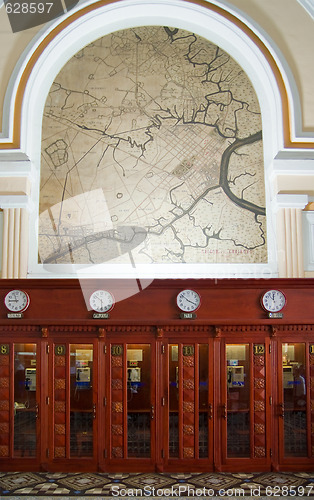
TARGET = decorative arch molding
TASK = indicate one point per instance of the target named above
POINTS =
(213, 20)
(308, 5)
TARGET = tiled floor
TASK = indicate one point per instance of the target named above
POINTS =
(30, 485)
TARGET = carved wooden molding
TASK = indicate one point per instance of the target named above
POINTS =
(187, 328)
(130, 329)
(44, 332)
(274, 330)
(217, 331)
(73, 329)
(296, 328)
(101, 333)
(16, 328)
(245, 329)
(160, 333)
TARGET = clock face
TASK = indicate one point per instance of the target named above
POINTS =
(16, 301)
(273, 300)
(188, 300)
(101, 301)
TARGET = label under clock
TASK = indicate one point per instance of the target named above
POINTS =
(101, 316)
(275, 315)
(188, 315)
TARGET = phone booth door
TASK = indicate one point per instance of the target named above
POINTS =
(189, 407)
(74, 400)
(131, 410)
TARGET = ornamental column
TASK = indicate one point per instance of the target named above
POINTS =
(15, 188)
(14, 243)
(290, 235)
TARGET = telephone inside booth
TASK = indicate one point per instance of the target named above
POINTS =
(288, 378)
(82, 377)
(30, 379)
(235, 376)
(133, 378)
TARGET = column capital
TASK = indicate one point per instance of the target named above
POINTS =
(16, 201)
(290, 200)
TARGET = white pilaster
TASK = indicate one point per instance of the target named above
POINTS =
(14, 243)
(290, 234)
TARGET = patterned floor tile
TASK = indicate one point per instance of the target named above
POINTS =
(181, 476)
(242, 475)
(306, 475)
(19, 480)
(119, 476)
(55, 475)
(279, 479)
(214, 481)
(151, 479)
(43, 489)
(41, 485)
(81, 482)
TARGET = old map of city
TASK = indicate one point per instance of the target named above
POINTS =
(152, 151)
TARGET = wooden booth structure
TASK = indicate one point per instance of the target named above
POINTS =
(154, 383)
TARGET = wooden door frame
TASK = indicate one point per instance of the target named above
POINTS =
(125, 464)
(12, 463)
(197, 464)
(69, 463)
(280, 462)
(252, 463)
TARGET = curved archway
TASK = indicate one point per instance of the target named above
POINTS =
(209, 20)
(223, 27)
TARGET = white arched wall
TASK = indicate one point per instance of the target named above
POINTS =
(285, 146)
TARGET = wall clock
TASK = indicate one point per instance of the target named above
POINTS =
(188, 300)
(273, 301)
(16, 301)
(101, 301)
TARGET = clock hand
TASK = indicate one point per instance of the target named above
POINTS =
(188, 300)
(101, 302)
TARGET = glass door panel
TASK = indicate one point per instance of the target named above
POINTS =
(74, 397)
(294, 407)
(82, 409)
(139, 409)
(238, 400)
(25, 400)
(174, 401)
